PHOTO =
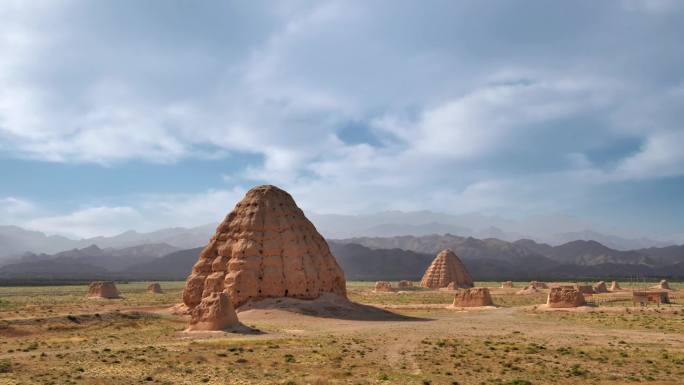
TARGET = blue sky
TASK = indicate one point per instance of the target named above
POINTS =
(128, 114)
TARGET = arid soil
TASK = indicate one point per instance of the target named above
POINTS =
(52, 335)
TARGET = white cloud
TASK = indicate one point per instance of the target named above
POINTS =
(12, 208)
(89, 222)
(490, 117)
(460, 113)
(661, 156)
(142, 213)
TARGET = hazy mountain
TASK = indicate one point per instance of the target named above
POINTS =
(174, 266)
(15, 241)
(362, 263)
(466, 247)
(59, 268)
(554, 229)
(575, 253)
(594, 253)
(84, 262)
(664, 255)
(612, 241)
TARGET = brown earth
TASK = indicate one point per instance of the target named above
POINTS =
(477, 296)
(445, 269)
(564, 297)
(265, 248)
(103, 289)
(383, 286)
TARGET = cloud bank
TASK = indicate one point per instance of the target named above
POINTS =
(352, 106)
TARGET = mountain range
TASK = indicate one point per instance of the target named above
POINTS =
(550, 229)
(373, 258)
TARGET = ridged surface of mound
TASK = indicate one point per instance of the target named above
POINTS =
(474, 297)
(565, 297)
(445, 269)
(265, 248)
(103, 289)
(215, 312)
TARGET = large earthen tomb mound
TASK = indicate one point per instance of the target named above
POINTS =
(265, 248)
(473, 297)
(565, 297)
(445, 269)
(103, 289)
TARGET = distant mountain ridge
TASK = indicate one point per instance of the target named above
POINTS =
(15, 241)
(375, 258)
(554, 229)
(582, 253)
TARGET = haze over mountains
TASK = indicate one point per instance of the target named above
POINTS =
(551, 229)
(372, 258)
(387, 245)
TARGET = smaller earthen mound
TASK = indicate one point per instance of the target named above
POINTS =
(215, 312)
(103, 289)
(452, 286)
(405, 285)
(564, 297)
(663, 285)
(474, 297)
(507, 285)
(585, 289)
(154, 288)
(383, 286)
(614, 286)
(601, 287)
(529, 289)
(539, 285)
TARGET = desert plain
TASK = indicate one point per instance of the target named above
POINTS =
(53, 335)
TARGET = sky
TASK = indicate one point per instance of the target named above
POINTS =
(119, 115)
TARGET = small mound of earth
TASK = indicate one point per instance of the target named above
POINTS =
(383, 286)
(155, 288)
(601, 287)
(328, 305)
(663, 285)
(474, 297)
(103, 290)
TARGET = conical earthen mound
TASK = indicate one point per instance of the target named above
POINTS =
(215, 312)
(264, 248)
(446, 268)
(155, 288)
(103, 289)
